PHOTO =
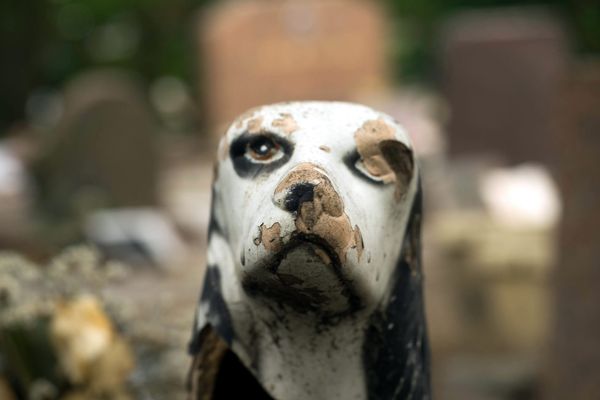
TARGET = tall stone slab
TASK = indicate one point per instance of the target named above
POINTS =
(257, 52)
(502, 70)
(574, 368)
(103, 153)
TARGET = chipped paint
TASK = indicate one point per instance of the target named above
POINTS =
(255, 125)
(358, 242)
(270, 237)
(383, 156)
(239, 121)
(287, 124)
(368, 137)
(324, 215)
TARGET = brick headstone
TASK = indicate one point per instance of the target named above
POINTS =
(574, 369)
(256, 52)
(502, 72)
(103, 153)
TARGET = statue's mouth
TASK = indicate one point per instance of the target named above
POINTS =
(306, 275)
(315, 245)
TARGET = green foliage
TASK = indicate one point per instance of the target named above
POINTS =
(45, 42)
(419, 20)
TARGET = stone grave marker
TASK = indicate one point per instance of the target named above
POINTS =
(103, 153)
(257, 52)
(574, 355)
(502, 70)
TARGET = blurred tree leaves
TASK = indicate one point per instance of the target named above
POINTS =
(45, 42)
(418, 21)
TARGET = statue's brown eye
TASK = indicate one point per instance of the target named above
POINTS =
(263, 148)
(254, 154)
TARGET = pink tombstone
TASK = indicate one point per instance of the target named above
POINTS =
(256, 52)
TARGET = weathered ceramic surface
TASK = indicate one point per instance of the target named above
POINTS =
(314, 278)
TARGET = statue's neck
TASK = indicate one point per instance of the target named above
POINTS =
(300, 358)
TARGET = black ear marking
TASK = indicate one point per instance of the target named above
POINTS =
(400, 159)
(215, 366)
(396, 371)
(218, 315)
(246, 168)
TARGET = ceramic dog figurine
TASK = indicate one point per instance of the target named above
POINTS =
(313, 284)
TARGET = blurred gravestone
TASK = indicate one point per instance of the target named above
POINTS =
(502, 72)
(103, 153)
(257, 52)
(575, 354)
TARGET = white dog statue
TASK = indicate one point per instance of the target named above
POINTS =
(313, 288)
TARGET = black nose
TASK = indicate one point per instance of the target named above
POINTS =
(298, 194)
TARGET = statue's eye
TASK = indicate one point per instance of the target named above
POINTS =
(359, 165)
(263, 148)
(254, 154)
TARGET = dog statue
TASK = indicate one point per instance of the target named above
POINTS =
(313, 288)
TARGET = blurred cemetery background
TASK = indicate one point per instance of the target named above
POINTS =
(109, 115)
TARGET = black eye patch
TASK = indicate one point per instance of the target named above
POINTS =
(247, 167)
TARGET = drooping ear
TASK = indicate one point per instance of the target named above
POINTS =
(212, 308)
(400, 159)
(411, 246)
(206, 362)
(396, 351)
(215, 366)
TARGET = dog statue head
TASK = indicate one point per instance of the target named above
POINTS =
(313, 284)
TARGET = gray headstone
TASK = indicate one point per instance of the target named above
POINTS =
(103, 153)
